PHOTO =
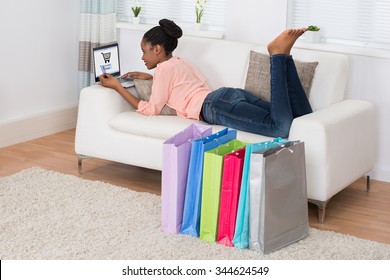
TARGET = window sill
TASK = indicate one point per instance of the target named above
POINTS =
(186, 31)
(346, 49)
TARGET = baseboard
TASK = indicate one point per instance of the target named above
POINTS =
(36, 126)
(380, 175)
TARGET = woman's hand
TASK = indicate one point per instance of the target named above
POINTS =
(109, 81)
(137, 75)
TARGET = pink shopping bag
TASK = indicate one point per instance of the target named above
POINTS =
(230, 191)
(176, 155)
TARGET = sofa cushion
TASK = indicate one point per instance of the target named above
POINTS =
(161, 127)
(258, 75)
(223, 63)
(144, 88)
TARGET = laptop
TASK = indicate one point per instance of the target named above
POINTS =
(106, 60)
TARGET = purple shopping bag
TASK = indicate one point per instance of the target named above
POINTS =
(176, 155)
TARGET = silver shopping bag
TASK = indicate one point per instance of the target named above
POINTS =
(278, 198)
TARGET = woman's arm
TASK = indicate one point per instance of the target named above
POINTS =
(138, 75)
(109, 81)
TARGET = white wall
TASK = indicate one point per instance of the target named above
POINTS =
(369, 80)
(38, 54)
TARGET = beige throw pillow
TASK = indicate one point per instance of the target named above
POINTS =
(144, 88)
(258, 75)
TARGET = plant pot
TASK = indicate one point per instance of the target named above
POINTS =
(136, 20)
(198, 26)
(313, 36)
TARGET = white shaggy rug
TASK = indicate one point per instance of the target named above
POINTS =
(48, 215)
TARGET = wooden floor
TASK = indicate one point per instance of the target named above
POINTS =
(353, 211)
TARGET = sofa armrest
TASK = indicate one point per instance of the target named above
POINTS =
(339, 139)
(98, 105)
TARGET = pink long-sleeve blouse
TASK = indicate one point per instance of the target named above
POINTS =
(179, 85)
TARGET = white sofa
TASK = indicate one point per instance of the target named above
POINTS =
(339, 136)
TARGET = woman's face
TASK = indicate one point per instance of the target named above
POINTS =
(150, 55)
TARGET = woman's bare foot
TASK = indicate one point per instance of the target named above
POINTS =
(284, 42)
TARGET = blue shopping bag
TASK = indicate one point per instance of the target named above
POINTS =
(193, 195)
(241, 232)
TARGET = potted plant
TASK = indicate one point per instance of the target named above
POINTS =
(313, 34)
(136, 11)
(199, 9)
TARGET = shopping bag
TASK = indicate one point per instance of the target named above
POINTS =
(241, 232)
(211, 188)
(193, 194)
(230, 189)
(176, 154)
(278, 200)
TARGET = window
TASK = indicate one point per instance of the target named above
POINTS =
(180, 11)
(353, 22)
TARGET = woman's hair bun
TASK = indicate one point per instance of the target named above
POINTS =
(171, 28)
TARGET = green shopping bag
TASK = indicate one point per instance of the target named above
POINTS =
(212, 179)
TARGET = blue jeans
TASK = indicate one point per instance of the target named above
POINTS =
(242, 110)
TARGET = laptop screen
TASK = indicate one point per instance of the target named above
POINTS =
(106, 60)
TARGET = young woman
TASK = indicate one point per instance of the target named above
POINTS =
(177, 83)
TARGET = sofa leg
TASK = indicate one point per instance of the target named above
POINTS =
(368, 183)
(321, 205)
(80, 159)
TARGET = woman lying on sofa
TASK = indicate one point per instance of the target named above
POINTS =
(178, 84)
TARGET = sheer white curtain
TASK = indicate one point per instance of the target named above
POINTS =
(355, 22)
(180, 11)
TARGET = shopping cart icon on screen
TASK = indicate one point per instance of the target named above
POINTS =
(106, 57)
